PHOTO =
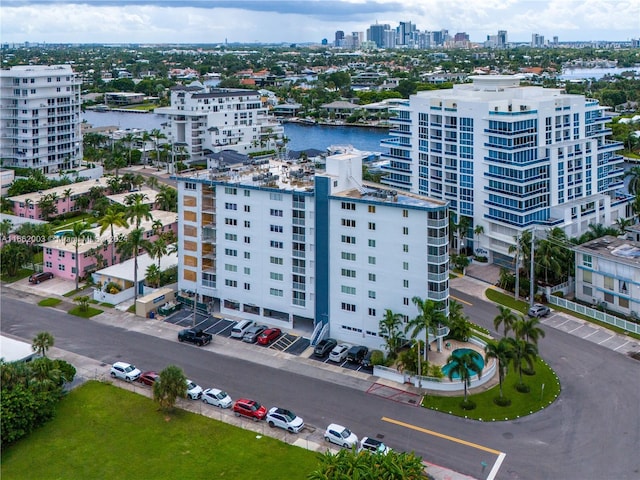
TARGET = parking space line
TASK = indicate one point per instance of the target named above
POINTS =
(442, 435)
(592, 333)
(579, 326)
(608, 338)
(625, 343)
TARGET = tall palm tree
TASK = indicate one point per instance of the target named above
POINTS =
(462, 367)
(477, 232)
(501, 351)
(506, 318)
(157, 249)
(389, 329)
(131, 246)
(152, 275)
(548, 261)
(42, 342)
(523, 353)
(144, 138)
(167, 199)
(13, 256)
(156, 135)
(623, 223)
(458, 321)
(430, 316)
(528, 329)
(80, 232)
(66, 194)
(112, 218)
(137, 209)
(522, 248)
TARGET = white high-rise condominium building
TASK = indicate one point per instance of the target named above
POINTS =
(40, 115)
(510, 158)
(293, 247)
(205, 120)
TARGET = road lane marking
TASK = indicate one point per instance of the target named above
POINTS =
(496, 466)
(442, 435)
(461, 301)
(618, 346)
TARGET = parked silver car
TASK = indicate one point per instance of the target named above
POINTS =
(538, 310)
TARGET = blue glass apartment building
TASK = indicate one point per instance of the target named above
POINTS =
(511, 158)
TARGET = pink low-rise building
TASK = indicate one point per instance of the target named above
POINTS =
(59, 255)
(27, 205)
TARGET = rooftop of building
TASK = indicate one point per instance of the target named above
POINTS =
(122, 197)
(622, 250)
(299, 176)
(16, 221)
(79, 188)
(68, 245)
(125, 270)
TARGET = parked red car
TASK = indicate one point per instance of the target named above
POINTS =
(250, 409)
(148, 378)
(269, 335)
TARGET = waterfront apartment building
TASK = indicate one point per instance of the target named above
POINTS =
(511, 158)
(204, 120)
(40, 117)
(295, 247)
(608, 274)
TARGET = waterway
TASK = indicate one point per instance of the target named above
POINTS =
(301, 137)
(596, 73)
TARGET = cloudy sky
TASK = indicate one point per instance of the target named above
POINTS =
(214, 21)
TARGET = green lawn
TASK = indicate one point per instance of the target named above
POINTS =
(101, 431)
(90, 312)
(49, 302)
(66, 223)
(522, 404)
(22, 273)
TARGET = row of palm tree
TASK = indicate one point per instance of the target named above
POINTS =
(521, 350)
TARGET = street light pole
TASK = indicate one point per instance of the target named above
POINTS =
(531, 274)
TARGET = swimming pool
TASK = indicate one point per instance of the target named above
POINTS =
(458, 352)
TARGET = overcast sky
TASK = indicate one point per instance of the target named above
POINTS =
(292, 21)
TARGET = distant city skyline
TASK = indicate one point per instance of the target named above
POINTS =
(304, 21)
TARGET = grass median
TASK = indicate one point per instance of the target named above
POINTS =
(102, 431)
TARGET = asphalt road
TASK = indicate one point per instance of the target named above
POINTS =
(591, 432)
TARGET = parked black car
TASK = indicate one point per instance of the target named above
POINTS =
(324, 347)
(356, 353)
(366, 361)
(195, 336)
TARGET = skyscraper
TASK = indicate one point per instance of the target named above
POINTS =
(40, 115)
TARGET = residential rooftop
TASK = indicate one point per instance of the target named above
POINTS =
(620, 250)
(121, 197)
(80, 188)
(68, 245)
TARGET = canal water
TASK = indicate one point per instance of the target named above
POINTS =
(301, 137)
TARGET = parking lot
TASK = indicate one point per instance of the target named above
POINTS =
(345, 364)
(287, 342)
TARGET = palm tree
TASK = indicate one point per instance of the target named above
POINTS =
(523, 246)
(66, 194)
(79, 233)
(528, 329)
(152, 182)
(430, 315)
(42, 342)
(501, 351)
(153, 275)
(389, 329)
(634, 183)
(623, 223)
(635, 206)
(157, 249)
(462, 366)
(462, 228)
(144, 138)
(477, 231)
(548, 260)
(167, 199)
(458, 321)
(131, 246)
(156, 135)
(112, 218)
(506, 318)
(523, 353)
(137, 209)
(5, 229)
(170, 385)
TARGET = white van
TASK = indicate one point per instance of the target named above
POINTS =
(241, 328)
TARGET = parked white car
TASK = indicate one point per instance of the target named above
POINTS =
(339, 353)
(286, 419)
(216, 397)
(194, 391)
(125, 371)
(372, 445)
(340, 436)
